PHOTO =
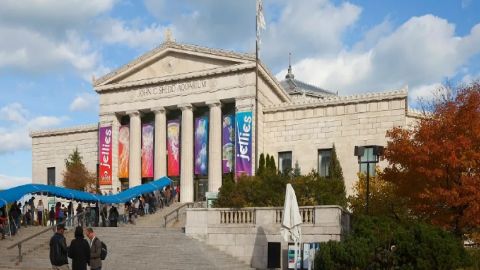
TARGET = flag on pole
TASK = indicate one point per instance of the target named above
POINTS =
(261, 25)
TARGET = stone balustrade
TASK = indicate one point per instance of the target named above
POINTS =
(245, 232)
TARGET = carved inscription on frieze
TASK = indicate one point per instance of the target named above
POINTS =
(159, 90)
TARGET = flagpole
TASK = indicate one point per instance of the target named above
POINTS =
(256, 90)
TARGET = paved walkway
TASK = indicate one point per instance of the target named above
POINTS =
(146, 245)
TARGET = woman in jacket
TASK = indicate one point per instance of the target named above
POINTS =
(79, 251)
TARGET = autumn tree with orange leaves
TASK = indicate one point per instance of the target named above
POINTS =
(436, 164)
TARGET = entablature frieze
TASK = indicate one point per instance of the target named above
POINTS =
(338, 100)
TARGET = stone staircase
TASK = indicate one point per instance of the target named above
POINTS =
(145, 245)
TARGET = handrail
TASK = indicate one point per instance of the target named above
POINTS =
(19, 243)
(177, 210)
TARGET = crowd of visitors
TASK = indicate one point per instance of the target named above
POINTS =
(87, 214)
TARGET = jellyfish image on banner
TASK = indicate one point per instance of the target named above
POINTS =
(123, 151)
(173, 147)
(201, 146)
(147, 150)
(228, 137)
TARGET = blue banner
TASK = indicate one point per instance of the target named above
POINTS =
(243, 143)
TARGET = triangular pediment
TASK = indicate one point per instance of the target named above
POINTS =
(171, 60)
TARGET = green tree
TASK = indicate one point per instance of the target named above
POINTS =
(76, 176)
(336, 176)
(261, 164)
(296, 170)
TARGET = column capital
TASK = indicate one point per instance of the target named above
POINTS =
(213, 103)
(133, 113)
(158, 110)
(185, 106)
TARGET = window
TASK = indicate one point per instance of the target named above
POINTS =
(51, 176)
(284, 161)
(324, 157)
(371, 158)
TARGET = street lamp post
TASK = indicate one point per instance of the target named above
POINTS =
(364, 157)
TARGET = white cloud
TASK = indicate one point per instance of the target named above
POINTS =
(43, 36)
(16, 136)
(113, 31)
(84, 102)
(425, 92)
(29, 51)
(52, 16)
(226, 24)
(7, 182)
(14, 112)
(421, 52)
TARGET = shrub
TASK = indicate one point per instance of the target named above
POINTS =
(383, 243)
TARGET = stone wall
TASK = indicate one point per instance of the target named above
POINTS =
(304, 128)
(245, 233)
(51, 148)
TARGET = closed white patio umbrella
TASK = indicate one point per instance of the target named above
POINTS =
(292, 220)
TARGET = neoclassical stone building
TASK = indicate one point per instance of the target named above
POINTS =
(195, 114)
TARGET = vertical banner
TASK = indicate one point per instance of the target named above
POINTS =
(105, 156)
(228, 141)
(201, 146)
(243, 141)
(147, 150)
(123, 151)
(173, 147)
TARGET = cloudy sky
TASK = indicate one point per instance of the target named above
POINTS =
(50, 49)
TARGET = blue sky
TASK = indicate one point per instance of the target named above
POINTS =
(50, 50)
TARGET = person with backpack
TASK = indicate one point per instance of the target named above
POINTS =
(95, 250)
(79, 251)
(59, 250)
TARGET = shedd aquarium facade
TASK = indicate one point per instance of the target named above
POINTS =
(196, 114)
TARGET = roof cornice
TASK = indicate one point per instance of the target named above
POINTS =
(338, 100)
(173, 46)
(63, 131)
(186, 76)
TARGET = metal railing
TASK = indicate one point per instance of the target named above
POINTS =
(177, 212)
(49, 228)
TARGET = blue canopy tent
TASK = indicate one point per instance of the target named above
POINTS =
(16, 193)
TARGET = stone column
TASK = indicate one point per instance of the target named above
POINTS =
(135, 161)
(186, 165)
(215, 147)
(160, 165)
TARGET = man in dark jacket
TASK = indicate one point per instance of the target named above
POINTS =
(79, 251)
(58, 249)
(95, 250)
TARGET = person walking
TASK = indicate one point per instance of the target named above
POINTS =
(40, 209)
(51, 216)
(79, 251)
(113, 216)
(95, 250)
(80, 217)
(59, 250)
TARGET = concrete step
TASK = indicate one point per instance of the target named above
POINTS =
(146, 245)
